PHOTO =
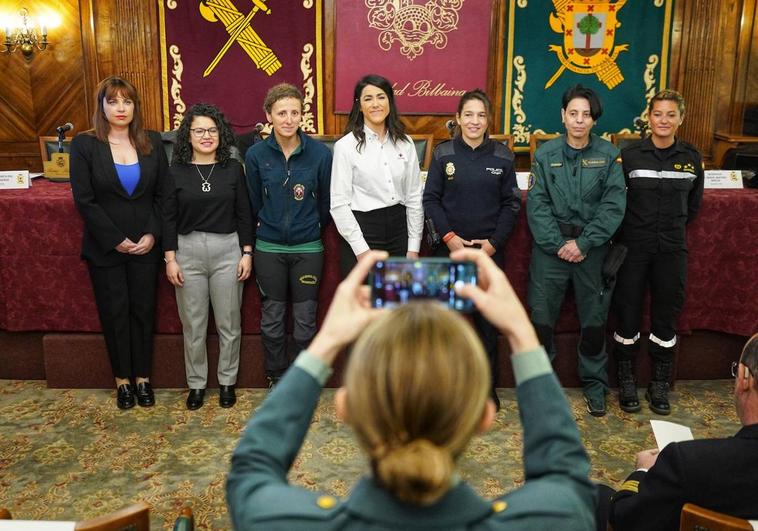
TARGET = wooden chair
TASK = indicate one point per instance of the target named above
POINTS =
(536, 140)
(503, 139)
(327, 140)
(695, 518)
(423, 145)
(134, 518)
(622, 140)
(49, 145)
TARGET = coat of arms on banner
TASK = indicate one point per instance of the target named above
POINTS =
(413, 25)
(237, 25)
(589, 34)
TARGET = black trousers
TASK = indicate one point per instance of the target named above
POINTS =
(125, 299)
(384, 229)
(666, 273)
(485, 330)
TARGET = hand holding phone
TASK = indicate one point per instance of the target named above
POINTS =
(397, 281)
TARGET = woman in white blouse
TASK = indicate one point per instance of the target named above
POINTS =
(376, 188)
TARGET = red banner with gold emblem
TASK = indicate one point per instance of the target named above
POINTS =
(230, 52)
(431, 50)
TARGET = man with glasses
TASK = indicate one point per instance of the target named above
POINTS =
(718, 474)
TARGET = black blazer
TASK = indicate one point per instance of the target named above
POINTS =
(110, 214)
(718, 474)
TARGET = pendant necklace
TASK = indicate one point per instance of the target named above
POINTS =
(206, 187)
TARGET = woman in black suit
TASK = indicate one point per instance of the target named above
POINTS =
(116, 174)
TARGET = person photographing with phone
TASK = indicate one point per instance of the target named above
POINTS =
(472, 198)
(416, 391)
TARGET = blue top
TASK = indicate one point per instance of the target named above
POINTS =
(128, 174)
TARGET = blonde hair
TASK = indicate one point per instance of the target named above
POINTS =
(417, 383)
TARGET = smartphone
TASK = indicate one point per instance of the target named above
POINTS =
(396, 281)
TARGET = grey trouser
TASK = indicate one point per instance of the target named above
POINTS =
(209, 263)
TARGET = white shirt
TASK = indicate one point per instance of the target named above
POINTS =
(383, 174)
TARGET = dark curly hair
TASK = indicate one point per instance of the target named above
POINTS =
(226, 139)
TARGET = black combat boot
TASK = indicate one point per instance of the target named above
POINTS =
(658, 391)
(628, 400)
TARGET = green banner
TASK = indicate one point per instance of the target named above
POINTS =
(620, 49)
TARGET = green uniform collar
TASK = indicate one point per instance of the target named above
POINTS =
(458, 507)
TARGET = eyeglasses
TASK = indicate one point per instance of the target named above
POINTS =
(199, 132)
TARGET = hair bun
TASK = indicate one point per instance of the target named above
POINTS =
(417, 472)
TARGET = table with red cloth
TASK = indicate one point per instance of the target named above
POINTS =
(44, 284)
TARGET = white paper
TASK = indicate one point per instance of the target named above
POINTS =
(522, 178)
(754, 523)
(36, 525)
(14, 180)
(35, 175)
(667, 432)
(723, 179)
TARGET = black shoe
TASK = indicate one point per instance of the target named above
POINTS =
(272, 381)
(496, 400)
(124, 396)
(595, 405)
(628, 399)
(657, 396)
(145, 395)
(226, 396)
(195, 398)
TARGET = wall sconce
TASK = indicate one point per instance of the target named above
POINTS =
(24, 36)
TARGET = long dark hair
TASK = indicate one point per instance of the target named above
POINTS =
(183, 146)
(395, 128)
(108, 88)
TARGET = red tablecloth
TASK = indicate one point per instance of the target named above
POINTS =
(44, 284)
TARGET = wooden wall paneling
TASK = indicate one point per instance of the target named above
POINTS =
(332, 125)
(90, 68)
(128, 44)
(745, 85)
(43, 93)
(699, 62)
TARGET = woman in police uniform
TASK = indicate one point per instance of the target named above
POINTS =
(664, 176)
(472, 197)
(415, 393)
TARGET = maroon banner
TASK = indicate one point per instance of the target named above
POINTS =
(432, 50)
(230, 52)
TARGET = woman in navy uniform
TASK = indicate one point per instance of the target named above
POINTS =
(472, 197)
(664, 176)
(117, 171)
(416, 391)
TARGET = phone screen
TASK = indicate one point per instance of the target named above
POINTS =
(397, 281)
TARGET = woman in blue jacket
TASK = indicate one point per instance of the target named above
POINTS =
(288, 181)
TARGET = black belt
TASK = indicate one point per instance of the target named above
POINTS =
(570, 231)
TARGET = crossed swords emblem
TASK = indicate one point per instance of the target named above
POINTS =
(238, 27)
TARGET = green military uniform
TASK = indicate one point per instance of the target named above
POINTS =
(556, 494)
(574, 195)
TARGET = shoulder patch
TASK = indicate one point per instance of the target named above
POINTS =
(532, 181)
(501, 151)
(444, 149)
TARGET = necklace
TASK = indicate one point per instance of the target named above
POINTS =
(206, 187)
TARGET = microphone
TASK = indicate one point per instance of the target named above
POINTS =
(259, 127)
(450, 126)
(68, 126)
(640, 124)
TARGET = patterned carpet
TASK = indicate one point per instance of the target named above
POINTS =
(68, 454)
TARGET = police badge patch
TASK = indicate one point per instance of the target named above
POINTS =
(449, 170)
(299, 192)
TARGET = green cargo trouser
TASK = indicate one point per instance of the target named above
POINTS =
(548, 278)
